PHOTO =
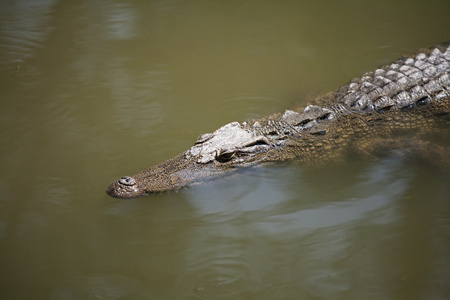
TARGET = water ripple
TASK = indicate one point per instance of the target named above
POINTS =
(24, 30)
(100, 286)
(219, 276)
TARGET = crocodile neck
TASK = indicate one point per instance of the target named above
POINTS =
(407, 98)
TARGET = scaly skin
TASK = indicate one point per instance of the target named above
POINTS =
(399, 104)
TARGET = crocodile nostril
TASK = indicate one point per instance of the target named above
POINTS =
(126, 180)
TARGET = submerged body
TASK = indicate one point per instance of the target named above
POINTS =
(398, 104)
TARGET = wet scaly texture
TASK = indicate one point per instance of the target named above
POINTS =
(395, 106)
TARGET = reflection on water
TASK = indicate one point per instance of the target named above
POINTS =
(93, 90)
(227, 256)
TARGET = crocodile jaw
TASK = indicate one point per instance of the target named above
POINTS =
(211, 156)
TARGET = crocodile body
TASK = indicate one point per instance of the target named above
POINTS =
(395, 105)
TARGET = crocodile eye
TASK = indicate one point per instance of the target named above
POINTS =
(225, 156)
(126, 180)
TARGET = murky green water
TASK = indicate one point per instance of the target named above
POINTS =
(93, 90)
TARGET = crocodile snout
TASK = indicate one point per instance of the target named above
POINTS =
(125, 187)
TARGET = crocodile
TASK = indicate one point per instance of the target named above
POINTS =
(394, 106)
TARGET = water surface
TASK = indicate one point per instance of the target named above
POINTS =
(93, 90)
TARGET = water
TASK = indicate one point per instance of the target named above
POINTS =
(95, 90)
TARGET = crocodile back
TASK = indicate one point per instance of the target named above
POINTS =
(411, 81)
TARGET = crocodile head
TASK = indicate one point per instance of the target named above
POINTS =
(212, 155)
(231, 146)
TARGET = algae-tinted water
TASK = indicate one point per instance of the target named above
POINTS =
(93, 90)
